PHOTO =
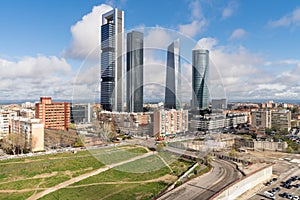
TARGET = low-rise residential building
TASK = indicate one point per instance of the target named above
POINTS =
(169, 122)
(32, 130)
(216, 122)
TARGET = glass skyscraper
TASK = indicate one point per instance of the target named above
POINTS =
(200, 96)
(135, 56)
(173, 77)
(111, 60)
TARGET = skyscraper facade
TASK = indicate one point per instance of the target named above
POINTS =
(111, 60)
(135, 56)
(200, 96)
(173, 77)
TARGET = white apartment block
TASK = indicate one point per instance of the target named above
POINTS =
(5, 117)
(32, 130)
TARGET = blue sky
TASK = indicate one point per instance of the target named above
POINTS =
(255, 44)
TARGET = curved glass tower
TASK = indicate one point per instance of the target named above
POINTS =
(200, 79)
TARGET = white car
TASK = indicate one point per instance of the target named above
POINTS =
(296, 198)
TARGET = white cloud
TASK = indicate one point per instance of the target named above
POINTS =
(34, 67)
(237, 34)
(229, 10)
(157, 37)
(193, 28)
(85, 34)
(32, 77)
(197, 22)
(291, 19)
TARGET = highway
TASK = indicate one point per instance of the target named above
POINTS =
(203, 187)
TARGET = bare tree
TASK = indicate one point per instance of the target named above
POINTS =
(106, 132)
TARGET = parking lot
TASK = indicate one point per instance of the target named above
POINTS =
(288, 188)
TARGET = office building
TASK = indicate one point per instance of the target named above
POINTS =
(81, 113)
(200, 96)
(54, 115)
(135, 56)
(32, 130)
(111, 60)
(173, 77)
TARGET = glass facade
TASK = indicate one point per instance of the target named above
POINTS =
(173, 77)
(135, 45)
(200, 79)
(111, 60)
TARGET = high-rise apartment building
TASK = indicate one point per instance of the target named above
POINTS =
(279, 119)
(134, 69)
(200, 96)
(169, 122)
(54, 115)
(173, 77)
(111, 60)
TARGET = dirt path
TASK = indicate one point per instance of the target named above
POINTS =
(166, 178)
(84, 176)
(162, 159)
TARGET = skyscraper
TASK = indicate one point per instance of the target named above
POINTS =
(200, 79)
(135, 44)
(111, 60)
(173, 77)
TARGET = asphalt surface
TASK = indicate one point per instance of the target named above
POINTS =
(203, 187)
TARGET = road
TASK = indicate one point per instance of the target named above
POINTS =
(203, 187)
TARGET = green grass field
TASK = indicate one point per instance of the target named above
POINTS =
(140, 179)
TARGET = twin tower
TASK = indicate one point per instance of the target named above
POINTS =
(112, 69)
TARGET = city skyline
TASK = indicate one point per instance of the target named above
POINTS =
(257, 59)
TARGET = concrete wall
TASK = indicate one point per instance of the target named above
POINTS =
(245, 184)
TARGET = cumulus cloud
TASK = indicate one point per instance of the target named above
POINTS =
(32, 77)
(193, 28)
(237, 34)
(247, 75)
(290, 20)
(197, 22)
(85, 35)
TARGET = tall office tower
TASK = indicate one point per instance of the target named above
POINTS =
(111, 60)
(200, 79)
(135, 45)
(173, 79)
